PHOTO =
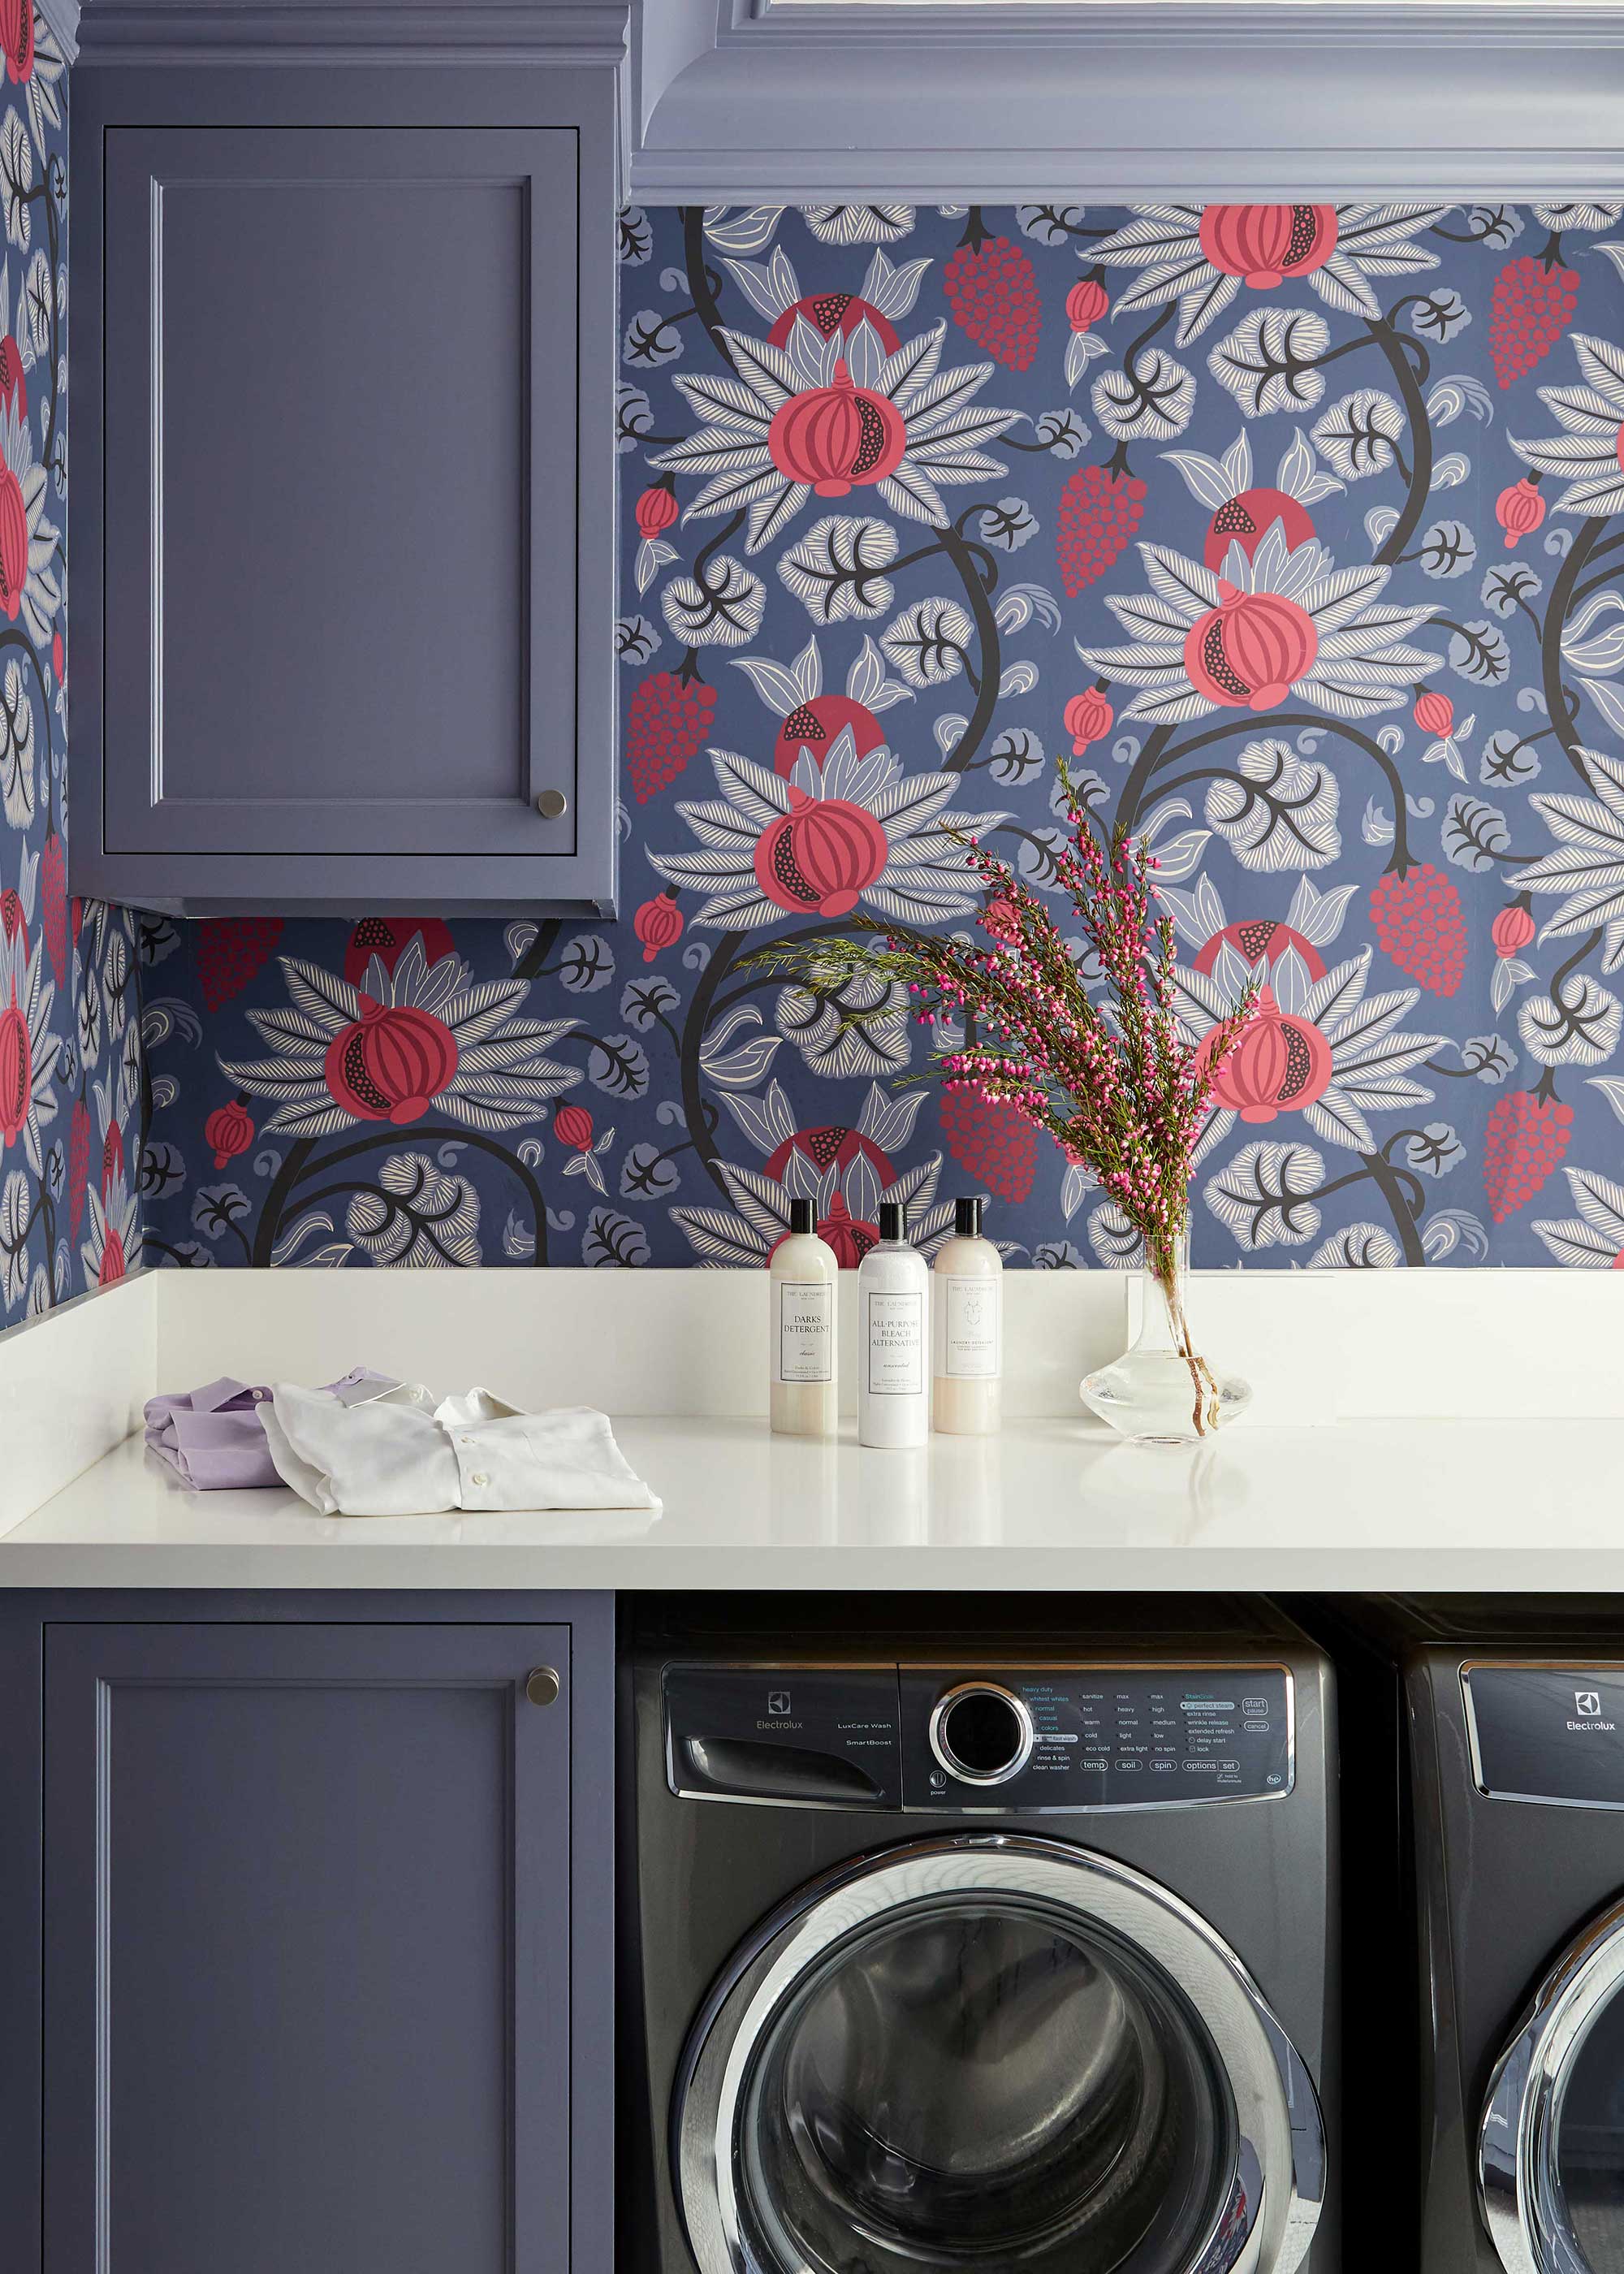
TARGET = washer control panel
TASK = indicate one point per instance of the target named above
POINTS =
(1026, 1740)
(1551, 1733)
(1093, 1736)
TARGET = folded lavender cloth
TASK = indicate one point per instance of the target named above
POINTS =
(212, 1437)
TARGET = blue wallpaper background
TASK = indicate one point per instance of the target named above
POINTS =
(1318, 510)
(70, 1053)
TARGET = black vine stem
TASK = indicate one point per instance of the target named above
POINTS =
(700, 290)
(1420, 474)
(1551, 656)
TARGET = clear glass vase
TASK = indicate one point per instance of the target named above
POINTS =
(1163, 1391)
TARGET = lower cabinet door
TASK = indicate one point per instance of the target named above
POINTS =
(307, 1924)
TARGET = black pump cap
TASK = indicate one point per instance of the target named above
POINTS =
(967, 1216)
(802, 1217)
(893, 1220)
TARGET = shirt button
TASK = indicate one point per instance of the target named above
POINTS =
(479, 1477)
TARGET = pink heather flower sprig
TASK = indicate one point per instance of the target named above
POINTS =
(1115, 1082)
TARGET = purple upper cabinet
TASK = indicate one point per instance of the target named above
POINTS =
(343, 519)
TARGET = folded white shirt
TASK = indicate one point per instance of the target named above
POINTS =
(402, 1454)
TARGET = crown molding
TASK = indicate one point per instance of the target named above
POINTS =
(929, 102)
(62, 17)
(590, 32)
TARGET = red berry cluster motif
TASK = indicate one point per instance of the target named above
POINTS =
(1419, 924)
(1098, 517)
(1526, 1139)
(1533, 305)
(994, 1142)
(993, 292)
(668, 720)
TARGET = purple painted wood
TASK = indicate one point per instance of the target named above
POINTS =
(344, 503)
(327, 1977)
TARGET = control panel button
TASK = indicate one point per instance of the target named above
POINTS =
(981, 1733)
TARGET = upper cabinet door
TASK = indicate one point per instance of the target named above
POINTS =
(352, 643)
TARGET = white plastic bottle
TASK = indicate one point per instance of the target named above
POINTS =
(893, 1298)
(967, 1330)
(803, 1275)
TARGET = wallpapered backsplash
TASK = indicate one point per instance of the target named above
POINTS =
(70, 1050)
(1320, 510)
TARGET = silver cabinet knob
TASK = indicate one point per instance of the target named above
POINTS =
(542, 1685)
(552, 804)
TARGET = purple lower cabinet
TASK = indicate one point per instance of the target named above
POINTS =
(326, 1938)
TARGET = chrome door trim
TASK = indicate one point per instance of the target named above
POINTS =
(1517, 2182)
(1277, 2187)
(942, 1751)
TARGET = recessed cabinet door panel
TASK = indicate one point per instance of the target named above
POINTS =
(307, 1965)
(341, 436)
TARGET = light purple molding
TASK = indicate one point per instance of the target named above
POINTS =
(420, 31)
(928, 101)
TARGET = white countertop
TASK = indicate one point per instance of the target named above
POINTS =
(1366, 1506)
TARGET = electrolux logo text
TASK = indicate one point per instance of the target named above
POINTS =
(1587, 1704)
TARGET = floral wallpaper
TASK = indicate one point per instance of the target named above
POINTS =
(70, 1054)
(1300, 530)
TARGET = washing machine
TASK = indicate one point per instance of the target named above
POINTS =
(991, 1940)
(1516, 1716)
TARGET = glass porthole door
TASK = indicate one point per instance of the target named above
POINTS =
(1551, 2146)
(992, 2051)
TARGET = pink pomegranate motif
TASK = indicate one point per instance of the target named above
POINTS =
(13, 379)
(388, 938)
(16, 1071)
(1434, 713)
(572, 1125)
(1264, 244)
(1513, 929)
(830, 312)
(656, 509)
(13, 542)
(837, 437)
(389, 1063)
(13, 922)
(1247, 519)
(820, 854)
(112, 1259)
(848, 1235)
(1087, 718)
(229, 1130)
(835, 1147)
(17, 39)
(1085, 303)
(817, 725)
(1279, 1065)
(1255, 938)
(659, 922)
(1246, 653)
(1520, 509)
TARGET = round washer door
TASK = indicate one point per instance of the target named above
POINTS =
(1551, 2144)
(992, 2051)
